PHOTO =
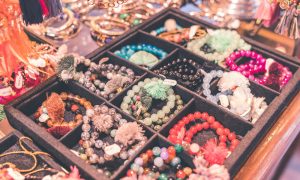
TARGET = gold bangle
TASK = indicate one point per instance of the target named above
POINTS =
(103, 25)
(69, 22)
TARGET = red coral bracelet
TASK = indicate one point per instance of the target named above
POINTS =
(214, 152)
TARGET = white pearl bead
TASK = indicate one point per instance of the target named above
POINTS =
(90, 113)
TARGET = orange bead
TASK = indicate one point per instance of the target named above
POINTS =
(130, 173)
(145, 158)
(149, 153)
(78, 117)
(171, 150)
(171, 156)
(64, 96)
(146, 170)
(82, 101)
(50, 123)
(80, 142)
(87, 103)
(180, 174)
(187, 171)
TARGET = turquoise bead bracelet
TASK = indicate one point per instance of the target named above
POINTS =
(127, 51)
(161, 30)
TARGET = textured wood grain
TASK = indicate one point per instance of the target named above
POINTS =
(266, 157)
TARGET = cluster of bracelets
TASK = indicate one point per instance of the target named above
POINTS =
(139, 101)
(153, 161)
(128, 137)
(145, 55)
(274, 75)
(186, 72)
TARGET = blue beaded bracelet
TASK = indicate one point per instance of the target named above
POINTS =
(127, 51)
(160, 30)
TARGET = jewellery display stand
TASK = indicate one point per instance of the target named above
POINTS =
(10, 144)
(20, 111)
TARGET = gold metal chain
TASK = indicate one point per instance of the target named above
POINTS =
(106, 3)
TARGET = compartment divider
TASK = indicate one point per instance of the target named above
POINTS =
(171, 54)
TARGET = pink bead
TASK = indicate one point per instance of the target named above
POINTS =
(261, 67)
(251, 77)
(251, 61)
(263, 61)
(138, 98)
(246, 73)
(243, 52)
(246, 67)
(229, 61)
(253, 55)
(233, 67)
(251, 66)
(233, 56)
(261, 81)
(248, 53)
(133, 107)
(239, 69)
(255, 69)
(259, 56)
(237, 54)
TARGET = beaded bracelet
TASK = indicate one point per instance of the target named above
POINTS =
(128, 136)
(185, 71)
(179, 134)
(160, 159)
(138, 101)
(218, 45)
(51, 113)
(275, 75)
(118, 78)
(206, 85)
(235, 95)
(104, 79)
(145, 55)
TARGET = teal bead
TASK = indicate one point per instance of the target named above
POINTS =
(163, 177)
(178, 148)
(130, 52)
(156, 151)
(136, 22)
(133, 47)
(175, 161)
(135, 167)
(123, 16)
(81, 150)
